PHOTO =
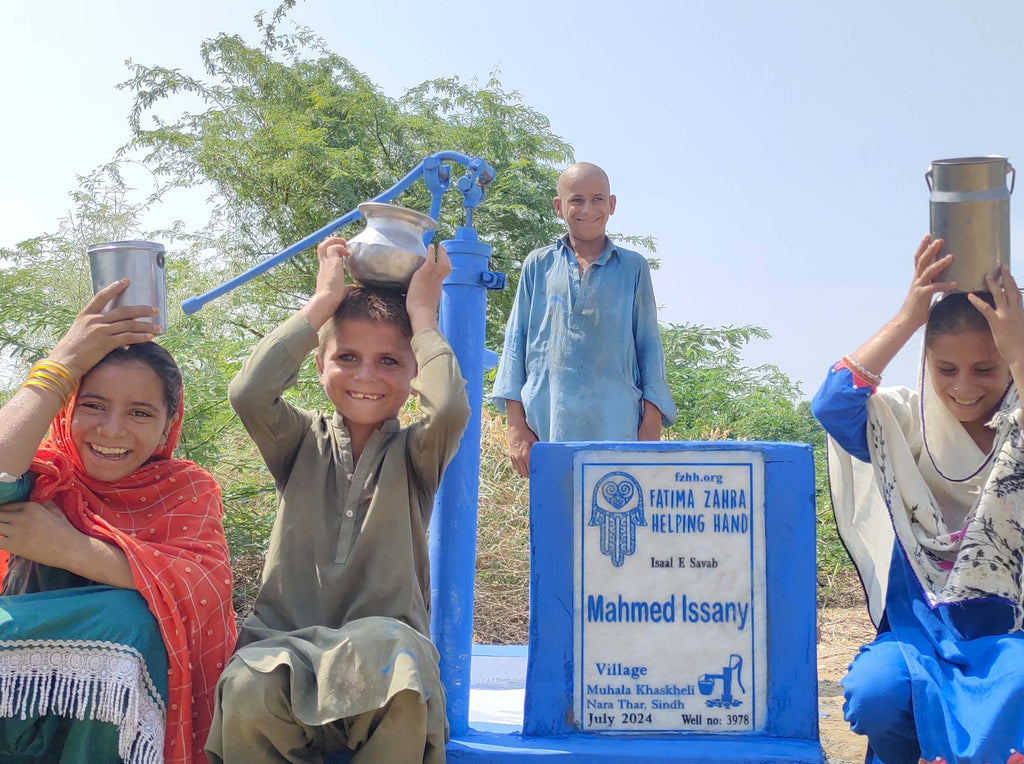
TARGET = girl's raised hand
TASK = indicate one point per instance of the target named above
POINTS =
(1006, 319)
(94, 333)
(927, 267)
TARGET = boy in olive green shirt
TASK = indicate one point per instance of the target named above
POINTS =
(336, 655)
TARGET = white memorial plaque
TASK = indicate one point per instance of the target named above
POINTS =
(669, 622)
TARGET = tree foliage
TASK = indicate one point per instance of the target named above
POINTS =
(46, 279)
(718, 397)
(291, 136)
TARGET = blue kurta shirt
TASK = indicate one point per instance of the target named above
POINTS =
(842, 409)
(582, 354)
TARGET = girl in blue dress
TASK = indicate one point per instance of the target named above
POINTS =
(928, 491)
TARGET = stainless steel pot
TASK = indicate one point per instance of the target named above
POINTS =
(969, 207)
(390, 249)
(142, 263)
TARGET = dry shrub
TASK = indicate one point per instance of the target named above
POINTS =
(247, 569)
(501, 605)
(714, 432)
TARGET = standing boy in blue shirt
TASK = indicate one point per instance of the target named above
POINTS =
(582, 357)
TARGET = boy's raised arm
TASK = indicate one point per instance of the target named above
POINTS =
(424, 296)
(255, 393)
(439, 383)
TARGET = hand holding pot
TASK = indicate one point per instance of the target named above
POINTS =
(424, 295)
(331, 289)
(94, 333)
(1006, 319)
(928, 265)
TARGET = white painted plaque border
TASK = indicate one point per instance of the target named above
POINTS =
(676, 659)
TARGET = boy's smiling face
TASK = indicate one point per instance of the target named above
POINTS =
(367, 368)
(585, 203)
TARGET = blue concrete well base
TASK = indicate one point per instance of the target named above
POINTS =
(497, 748)
(787, 728)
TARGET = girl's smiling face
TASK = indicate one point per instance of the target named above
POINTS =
(968, 374)
(120, 419)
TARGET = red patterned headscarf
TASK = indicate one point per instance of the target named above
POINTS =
(166, 517)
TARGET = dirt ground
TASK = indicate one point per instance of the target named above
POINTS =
(842, 628)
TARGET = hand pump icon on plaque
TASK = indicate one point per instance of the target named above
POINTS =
(706, 684)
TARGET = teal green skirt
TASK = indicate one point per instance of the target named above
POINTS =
(83, 678)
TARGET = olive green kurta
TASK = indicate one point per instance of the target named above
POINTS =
(345, 597)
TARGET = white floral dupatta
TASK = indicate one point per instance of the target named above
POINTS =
(958, 513)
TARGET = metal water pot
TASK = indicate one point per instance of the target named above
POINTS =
(142, 263)
(969, 207)
(390, 249)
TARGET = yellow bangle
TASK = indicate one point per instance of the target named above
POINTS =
(54, 377)
(65, 387)
(48, 386)
(57, 368)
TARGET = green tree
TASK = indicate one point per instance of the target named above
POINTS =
(717, 397)
(293, 135)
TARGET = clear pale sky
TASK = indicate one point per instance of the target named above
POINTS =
(775, 150)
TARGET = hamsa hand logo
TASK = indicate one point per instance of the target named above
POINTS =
(618, 508)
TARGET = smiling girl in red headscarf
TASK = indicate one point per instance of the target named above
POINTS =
(116, 617)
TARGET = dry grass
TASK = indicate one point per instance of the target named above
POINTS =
(246, 569)
(501, 604)
(842, 629)
(840, 589)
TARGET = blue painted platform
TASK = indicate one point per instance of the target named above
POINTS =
(495, 734)
(496, 723)
(497, 748)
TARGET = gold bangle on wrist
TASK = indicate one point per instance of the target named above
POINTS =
(53, 377)
(57, 368)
